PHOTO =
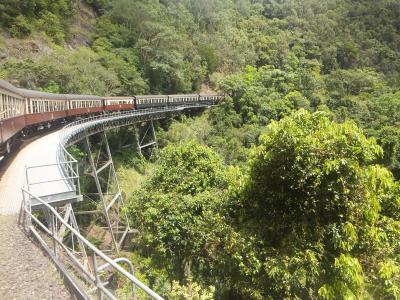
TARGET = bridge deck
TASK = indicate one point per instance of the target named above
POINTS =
(40, 151)
(30, 274)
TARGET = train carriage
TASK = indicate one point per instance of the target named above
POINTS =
(23, 110)
(148, 101)
(83, 104)
(208, 98)
(42, 107)
(119, 103)
(180, 99)
(12, 113)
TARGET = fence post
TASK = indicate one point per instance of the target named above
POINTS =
(97, 277)
(54, 233)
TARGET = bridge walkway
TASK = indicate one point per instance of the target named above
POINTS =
(26, 272)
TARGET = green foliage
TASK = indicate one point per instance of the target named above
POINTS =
(21, 27)
(322, 205)
(81, 71)
(180, 211)
(186, 130)
(306, 211)
(98, 5)
(22, 17)
(294, 154)
(188, 169)
(191, 291)
(52, 26)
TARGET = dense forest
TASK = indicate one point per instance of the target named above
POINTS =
(289, 188)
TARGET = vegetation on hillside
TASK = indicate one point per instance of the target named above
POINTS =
(310, 215)
(289, 188)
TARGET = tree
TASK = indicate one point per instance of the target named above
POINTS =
(311, 208)
(178, 210)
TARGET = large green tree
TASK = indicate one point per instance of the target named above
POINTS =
(178, 211)
(317, 217)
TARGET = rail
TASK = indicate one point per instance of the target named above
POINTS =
(53, 221)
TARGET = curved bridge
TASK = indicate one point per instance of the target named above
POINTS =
(52, 185)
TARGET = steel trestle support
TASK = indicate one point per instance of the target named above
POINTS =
(149, 138)
(108, 190)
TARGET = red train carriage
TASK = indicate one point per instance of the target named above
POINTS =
(119, 103)
(26, 110)
(43, 107)
(12, 114)
(147, 101)
(83, 104)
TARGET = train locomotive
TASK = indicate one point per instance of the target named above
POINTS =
(23, 111)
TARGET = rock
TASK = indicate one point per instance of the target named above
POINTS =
(4, 54)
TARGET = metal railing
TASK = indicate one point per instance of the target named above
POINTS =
(54, 220)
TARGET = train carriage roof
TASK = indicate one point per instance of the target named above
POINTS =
(43, 95)
(209, 95)
(51, 96)
(9, 87)
(82, 97)
(184, 95)
(151, 96)
(117, 97)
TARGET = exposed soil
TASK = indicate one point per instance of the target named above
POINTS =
(26, 273)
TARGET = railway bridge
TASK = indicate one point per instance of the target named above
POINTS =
(41, 186)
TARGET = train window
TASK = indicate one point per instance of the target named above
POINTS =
(13, 106)
(6, 106)
(1, 107)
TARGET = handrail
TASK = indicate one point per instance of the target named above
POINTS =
(93, 249)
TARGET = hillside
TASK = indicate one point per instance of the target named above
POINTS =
(289, 189)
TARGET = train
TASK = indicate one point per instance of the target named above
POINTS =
(24, 111)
